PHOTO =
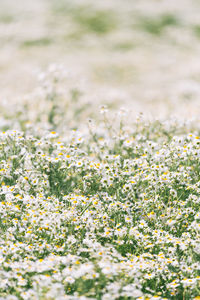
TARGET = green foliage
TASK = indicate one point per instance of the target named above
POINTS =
(197, 30)
(157, 25)
(6, 18)
(98, 22)
(41, 42)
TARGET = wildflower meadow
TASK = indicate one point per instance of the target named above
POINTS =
(99, 169)
(105, 210)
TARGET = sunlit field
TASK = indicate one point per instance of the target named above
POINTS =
(99, 150)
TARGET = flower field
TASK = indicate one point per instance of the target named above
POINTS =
(107, 210)
(99, 181)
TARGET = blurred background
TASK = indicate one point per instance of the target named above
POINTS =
(140, 54)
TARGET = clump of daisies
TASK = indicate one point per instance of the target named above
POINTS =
(106, 210)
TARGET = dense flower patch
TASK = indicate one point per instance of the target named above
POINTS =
(99, 205)
(101, 212)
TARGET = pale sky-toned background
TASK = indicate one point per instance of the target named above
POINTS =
(142, 54)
